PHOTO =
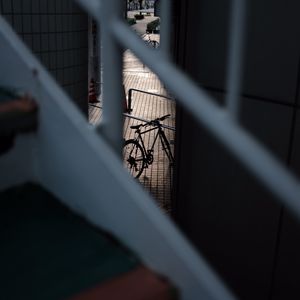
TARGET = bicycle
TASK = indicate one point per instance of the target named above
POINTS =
(136, 156)
(153, 43)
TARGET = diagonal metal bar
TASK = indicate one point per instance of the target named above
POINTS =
(235, 56)
(251, 153)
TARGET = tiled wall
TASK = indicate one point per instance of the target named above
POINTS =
(56, 31)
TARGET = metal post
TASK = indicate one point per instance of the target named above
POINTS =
(165, 20)
(129, 101)
(112, 121)
(235, 58)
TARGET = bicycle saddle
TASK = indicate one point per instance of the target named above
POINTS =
(136, 126)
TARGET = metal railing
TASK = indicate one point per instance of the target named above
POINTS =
(220, 122)
(130, 91)
(113, 201)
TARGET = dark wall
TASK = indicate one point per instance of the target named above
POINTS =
(56, 32)
(250, 239)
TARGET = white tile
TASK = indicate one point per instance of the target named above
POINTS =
(35, 6)
(36, 42)
(45, 42)
(36, 27)
(28, 41)
(18, 24)
(26, 6)
(60, 59)
(17, 6)
(8, 18)
(52, 23)
(52, 42)
(27, 24)
(43, 6)
(59, 41)
(51, 6)
(7, 7)
(53, 60)
(46, 60)
(59, 23)
(58, 6)
(44, 23)
(65, 40)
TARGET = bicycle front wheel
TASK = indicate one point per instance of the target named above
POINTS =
(134, 158)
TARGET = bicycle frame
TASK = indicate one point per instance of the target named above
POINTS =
(153, 43)
(164, 141)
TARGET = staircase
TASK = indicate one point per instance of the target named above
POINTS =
(81, 166)
(48, 252)
(77, 173)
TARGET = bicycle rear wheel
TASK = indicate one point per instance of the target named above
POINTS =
(134, 158)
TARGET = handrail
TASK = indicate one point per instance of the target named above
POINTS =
(129, 110)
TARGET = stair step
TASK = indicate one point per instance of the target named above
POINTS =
(139, 284)
(48, 252)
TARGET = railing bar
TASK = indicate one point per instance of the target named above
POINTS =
(235, 56)
(111, 125)
(253, 155)
(165, 20)
(141, 91)
(150, 93)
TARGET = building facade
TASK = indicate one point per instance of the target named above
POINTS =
(56, 32)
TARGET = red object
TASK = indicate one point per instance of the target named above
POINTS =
(92, 92)
(139, 284)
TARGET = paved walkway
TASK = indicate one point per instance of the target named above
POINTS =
(157, 178)
(141, 25)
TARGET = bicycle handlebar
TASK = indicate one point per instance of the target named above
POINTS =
(163, 117)
(157, 120)
(152, 122)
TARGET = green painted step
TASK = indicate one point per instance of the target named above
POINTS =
(48, 252)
